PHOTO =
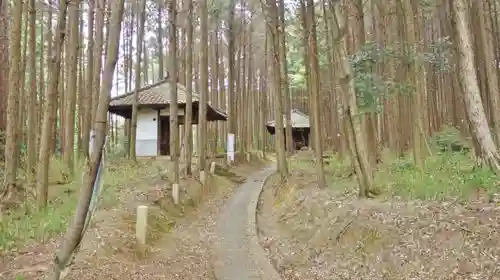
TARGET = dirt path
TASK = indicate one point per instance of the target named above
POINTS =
(184, 253)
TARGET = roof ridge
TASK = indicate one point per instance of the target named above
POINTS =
(140, 90)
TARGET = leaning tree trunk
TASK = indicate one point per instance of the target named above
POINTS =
(356, 135)
(75, 233)
(487, 153)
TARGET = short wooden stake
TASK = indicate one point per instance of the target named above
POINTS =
(203, 177)
(141, 224)
(261, 154)
(175, 193)
(248, 157)
(212, 168)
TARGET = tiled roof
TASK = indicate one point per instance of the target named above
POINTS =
(156, 94)
(299, 120)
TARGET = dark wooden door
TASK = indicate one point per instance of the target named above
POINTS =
(164, 136)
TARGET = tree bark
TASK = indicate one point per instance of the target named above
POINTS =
(188, 135)
(31, 98)
(174, 121)
(13, 123)
(487, 155)
(87, 102)
(75, 233)
(271, 12)
(70, 106)
(141, 12)
(315, 88)
(202, 108)
(4, 67)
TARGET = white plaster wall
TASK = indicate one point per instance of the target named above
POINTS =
(147, 133)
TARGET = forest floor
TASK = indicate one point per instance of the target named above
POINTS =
(442, 223)
(179, 237)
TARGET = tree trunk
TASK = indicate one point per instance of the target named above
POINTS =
(12, 132)
(87, 102)
(202, 108)
(71, 92)
(284, 78)
(98, 48)
(232, 73)
(487, 155)
(272, 29)
(359, 156)
(50, 102)
(31, 98)
(4, 67)
(159, 34)
(188, 135)
(174, 121)
(141, 12)
(75, 233)
(315, 88)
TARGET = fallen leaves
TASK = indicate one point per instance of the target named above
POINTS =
(327, 234)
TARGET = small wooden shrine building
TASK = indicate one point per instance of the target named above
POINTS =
(300, 128)
(153, 119)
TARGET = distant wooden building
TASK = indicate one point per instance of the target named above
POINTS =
(300, 128)
(153, 119)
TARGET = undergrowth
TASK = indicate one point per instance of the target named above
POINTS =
(27, 224)
(446, 174)
(449, 172)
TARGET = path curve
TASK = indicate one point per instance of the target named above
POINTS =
(238, 254)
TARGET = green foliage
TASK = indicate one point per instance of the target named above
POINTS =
(372, 87)
(446, 175)
(334, 165)
(369, 85)
(439, 54)
(27, 224)
(119, 150)
(450, 139)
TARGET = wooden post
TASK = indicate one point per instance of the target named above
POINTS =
(212, 168)
(141, 224)
(261, 154)
(203, 177)
(175, 193)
